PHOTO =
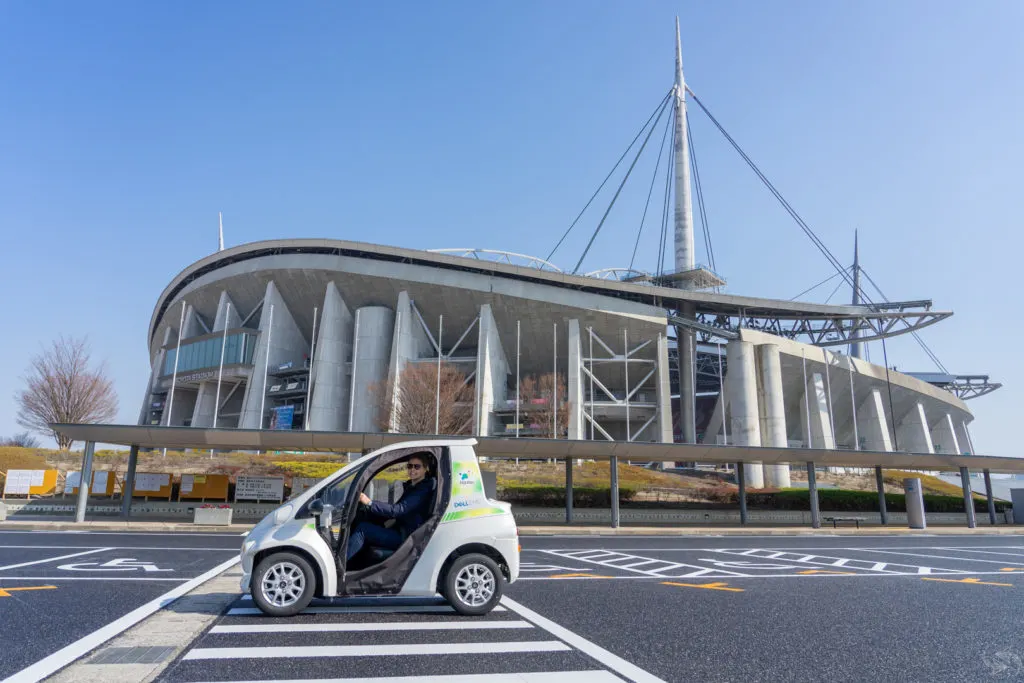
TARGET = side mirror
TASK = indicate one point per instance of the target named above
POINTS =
(316, 507)
(326, 516)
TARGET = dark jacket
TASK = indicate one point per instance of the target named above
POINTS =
(412, 509)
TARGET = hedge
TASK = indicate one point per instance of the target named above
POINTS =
(554, 496)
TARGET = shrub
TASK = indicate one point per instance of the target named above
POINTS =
(535, 495)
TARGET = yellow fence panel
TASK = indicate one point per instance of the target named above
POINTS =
(203, 487)
(103, 483)
(30, 482)
(153, 485)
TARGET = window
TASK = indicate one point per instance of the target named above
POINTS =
(238, 349)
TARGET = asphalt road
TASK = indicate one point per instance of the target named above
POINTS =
(58, 587)
(774, 608)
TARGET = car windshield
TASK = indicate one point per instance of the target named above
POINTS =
(336, 492)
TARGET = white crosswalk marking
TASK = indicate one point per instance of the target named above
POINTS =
(368, 638)
(665, 569)
(840, 562)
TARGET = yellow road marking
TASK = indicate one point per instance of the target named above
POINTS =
(6, 592)
(1012, 569)
(825, 571)
(978, 582)
(716, 586)
(578, 575)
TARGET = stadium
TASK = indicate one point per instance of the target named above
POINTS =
(330, 335)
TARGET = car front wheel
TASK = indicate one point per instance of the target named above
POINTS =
(473, 585)
(283, 584)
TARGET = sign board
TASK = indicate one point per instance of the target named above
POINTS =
(282, 417)
(259, 488)
(103, 483)
(30, 482)
(300, 484)
(203, 487)
(152, 485)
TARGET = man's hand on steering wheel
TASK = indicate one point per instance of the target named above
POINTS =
(364, 499)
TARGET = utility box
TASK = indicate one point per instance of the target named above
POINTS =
(915, 503)
(1017, 499)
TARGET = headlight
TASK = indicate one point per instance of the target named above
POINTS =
(283, 514)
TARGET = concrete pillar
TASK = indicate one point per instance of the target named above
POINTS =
(741, 388)
(963, 438)
(192, 326)
(129, 482)
(944, 439)
(568, 490)
(183, 408)
(817, 404)
(206, 398)
(614, 472)
(872, 423)
(812, 490)
(575, 383)
(686, 344)
(227, 317)
(663, 392)
(408, 343)
(772, 411)
(965, 482)
(491, 373)
(741, 483)
(156, 371)
(286, 343)
(883, 510)
(371, 350)
(913, 434)
(85, 481)
(328, 409)
(988, 497)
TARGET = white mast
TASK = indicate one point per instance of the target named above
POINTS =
(684, 207)
(220, 220)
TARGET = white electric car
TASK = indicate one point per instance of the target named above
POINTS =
(467, 549)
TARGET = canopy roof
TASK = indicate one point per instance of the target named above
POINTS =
(509, 447)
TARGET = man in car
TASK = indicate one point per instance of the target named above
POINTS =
(411, 510)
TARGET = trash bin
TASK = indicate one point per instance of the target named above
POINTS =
(915, 503)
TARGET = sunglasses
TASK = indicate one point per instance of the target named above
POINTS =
(413, 466)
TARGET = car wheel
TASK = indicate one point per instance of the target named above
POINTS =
(283, 584)
(473, 585)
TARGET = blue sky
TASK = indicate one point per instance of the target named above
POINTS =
(125, 127)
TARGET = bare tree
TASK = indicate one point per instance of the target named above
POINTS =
(20, 440)
(62, 387)
(537, 400)
(416, 409)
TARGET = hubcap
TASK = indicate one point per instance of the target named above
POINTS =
(283, 584)
(474, 585)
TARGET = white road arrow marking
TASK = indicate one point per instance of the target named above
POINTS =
(121, 564)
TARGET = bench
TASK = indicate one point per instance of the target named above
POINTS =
(836, 519)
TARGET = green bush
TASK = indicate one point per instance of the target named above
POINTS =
(840, 500)
(539, 495)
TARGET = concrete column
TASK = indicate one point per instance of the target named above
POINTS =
(812, 490)
(872, 423)
(286, 343)
(817, 400)
(663, 392)
(192, 326)
(965, 481)
(772, 411)
(408, 343)
(227, 317)
(741, 387)
(741, 483)
(963, 437)
(184, 407)
(328, 406)
(883, 511)
(206, 398)
(574, 383)
(491, 373)
(374, 326)
(614, 471)
(568, 490)
(944, 439)
(156, 370)
(83, 484)
(129, 481)
(687, 401)
(913, 434)
(988, 497)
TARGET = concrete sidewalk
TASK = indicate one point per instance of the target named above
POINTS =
(723, 530)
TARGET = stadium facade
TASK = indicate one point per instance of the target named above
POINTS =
(304, 333)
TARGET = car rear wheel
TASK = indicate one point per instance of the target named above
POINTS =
(473, 584)
(283, 584)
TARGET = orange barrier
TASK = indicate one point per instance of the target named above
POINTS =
(203, 487)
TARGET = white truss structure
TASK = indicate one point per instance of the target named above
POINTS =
(609, 400)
